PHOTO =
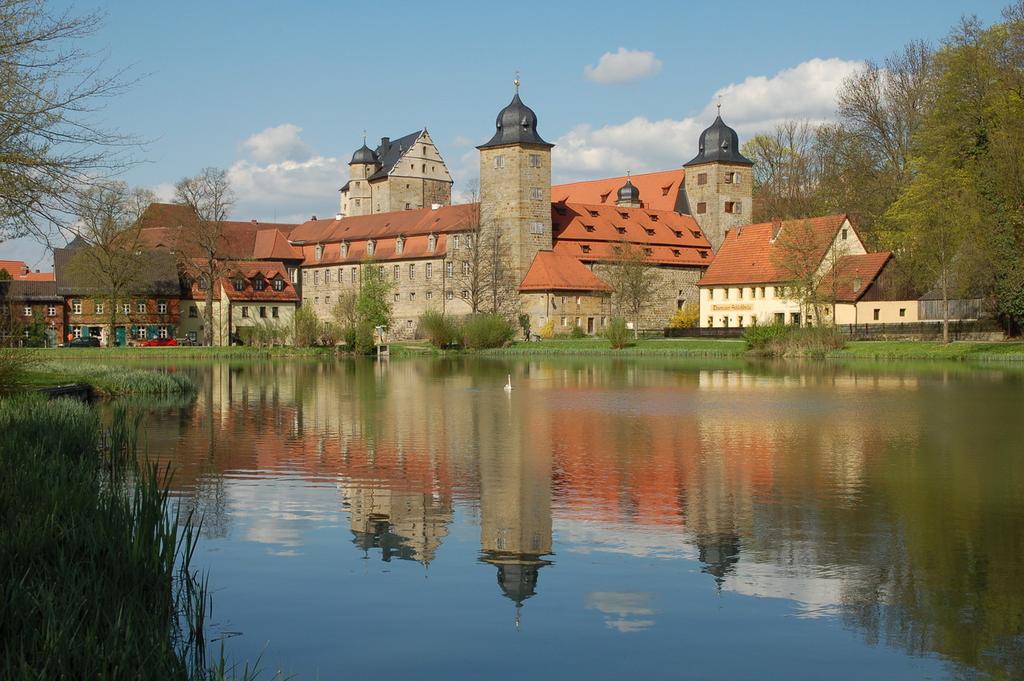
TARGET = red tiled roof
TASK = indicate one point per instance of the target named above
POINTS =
(384, 249)
(554, 272)
(421, 221)
(272, 244)
(853, 275)
(19, 270)
(249, 269)
(590, 233)
(658, 191)
(751, 254)
(162, 226)
(37, 276)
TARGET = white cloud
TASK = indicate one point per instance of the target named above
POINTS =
(623, 66)
(280, 143)
(806, 91)
(287, 191)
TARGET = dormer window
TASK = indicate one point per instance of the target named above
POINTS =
(239, 284)
(259, 283)
(371, 246)
(431, 242)
(696, 233)
(593, 213)
(585, 248)
(675, 252)
(703, 254)
(648, 251)
(319, 252)
(654, 218)
(590, 228)
(344, 249)
(624, 215)
(604, 197)
(650, 231)
(620, 229)
(278, 283)
(399, 245)
(679, 235)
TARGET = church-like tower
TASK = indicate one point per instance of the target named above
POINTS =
(515, 183)
(719, 183)
(357, 193)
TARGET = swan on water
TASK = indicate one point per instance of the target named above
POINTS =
(508, 386)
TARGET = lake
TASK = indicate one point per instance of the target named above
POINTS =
(607, 518)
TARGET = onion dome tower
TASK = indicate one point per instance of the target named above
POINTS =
(365, 162)
(629, 195)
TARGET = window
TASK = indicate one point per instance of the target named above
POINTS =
(620, 229)
(449, 295)
(732, 178)
(263, 312)
(450, 267)
(535, 160)
(430, 269)
(465, 267)
(876, 313)
(260, 284)
(398, 272)
(429, 294)
(412, 271)
(319, 252)
(499, 161)
(245, 311)
(536, 228)
(396, 297)
(794, 318)
(903, 312)
(431, 242)
(240, 283)
(28, 310)
(412, 296)
(400, 243)
(51, 311)
(98, 307)
(140, 332)
(585, 248)
(355, 274)
(536, 194)
(344, 249)
(76, 307)
(844, 233)
(274, 312)
(140, 307)
(464, 294)
(126, 308)
(278, 283)
(589, 228)
(702, 178)
(371, 245)
(732, 206)
(192, 311)
(161, 306)
(161, 331)
(316, 279)
(780, 317)
(702, 207)
(455, 241)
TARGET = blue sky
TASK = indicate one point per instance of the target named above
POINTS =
(300, 81)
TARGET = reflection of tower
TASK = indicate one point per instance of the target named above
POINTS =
(515, 504)
(402, 524)
(719, 553)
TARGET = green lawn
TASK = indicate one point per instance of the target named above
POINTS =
(198, 352)
(681, 347)
(958, 350)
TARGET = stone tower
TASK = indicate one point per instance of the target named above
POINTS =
(515, 183)
(629, 195)
(358, 196)
(719, 183)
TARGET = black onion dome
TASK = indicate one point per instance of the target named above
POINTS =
(628, 193)
(516, 124)
(719, 143)
(364, 155)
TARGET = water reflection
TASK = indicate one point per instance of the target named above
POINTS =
(889, 501)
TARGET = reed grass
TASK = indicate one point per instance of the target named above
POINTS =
(113, 380)
(96, 577)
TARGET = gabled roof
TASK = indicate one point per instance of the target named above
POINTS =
(15, 268)
(158, 274)
(554, 272)
(392, 152)
(28, 291)
(591, 231)
(752, 254)
(853, 275)
(163, 223)
(249, 271)
(381, 225)
(662, 190)
(385, 248)
(272, 244)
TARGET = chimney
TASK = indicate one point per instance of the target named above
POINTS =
(255, 221)
(313, 218)
(435, 206)
(385, 142)
(338, 216)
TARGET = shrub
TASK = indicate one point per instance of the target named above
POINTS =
(548, 330)
(15, 365)
(687, 317)
(362, 339)
(777, 340)
(486, 331)
(577, 332)
(761, 337)
(440, 330)
(307, 327)
(617, 333)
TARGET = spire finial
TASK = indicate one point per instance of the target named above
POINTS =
(627, 175)
(364, 137)
(719, 105)
(516, 81)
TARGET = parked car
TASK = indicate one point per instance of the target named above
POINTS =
(84, 342)
(158, 342)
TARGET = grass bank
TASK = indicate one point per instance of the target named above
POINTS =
(108, 380)
(183, 352)
(974, 351)
(646, 347)
(95, 575)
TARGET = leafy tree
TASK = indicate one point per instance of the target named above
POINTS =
(786, 171)
(5, 275)
(810, 261)
(373, 305)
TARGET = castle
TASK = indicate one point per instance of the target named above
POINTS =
(396, 210)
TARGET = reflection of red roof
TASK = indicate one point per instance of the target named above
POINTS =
(591, 232)
(853, 275)
(754, 254)
(553, 272)
(658, 191)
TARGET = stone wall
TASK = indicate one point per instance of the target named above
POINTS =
(709, 187)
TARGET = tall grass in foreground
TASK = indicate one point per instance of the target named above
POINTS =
(116, 380)
(95, 568)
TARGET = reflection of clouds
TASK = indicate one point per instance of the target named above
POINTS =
(577, 536)
(622, 609)
(278, 512)
(816, 593)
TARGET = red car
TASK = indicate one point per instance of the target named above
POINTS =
(158, 342)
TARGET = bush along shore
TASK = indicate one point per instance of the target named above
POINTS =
(94, 561)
